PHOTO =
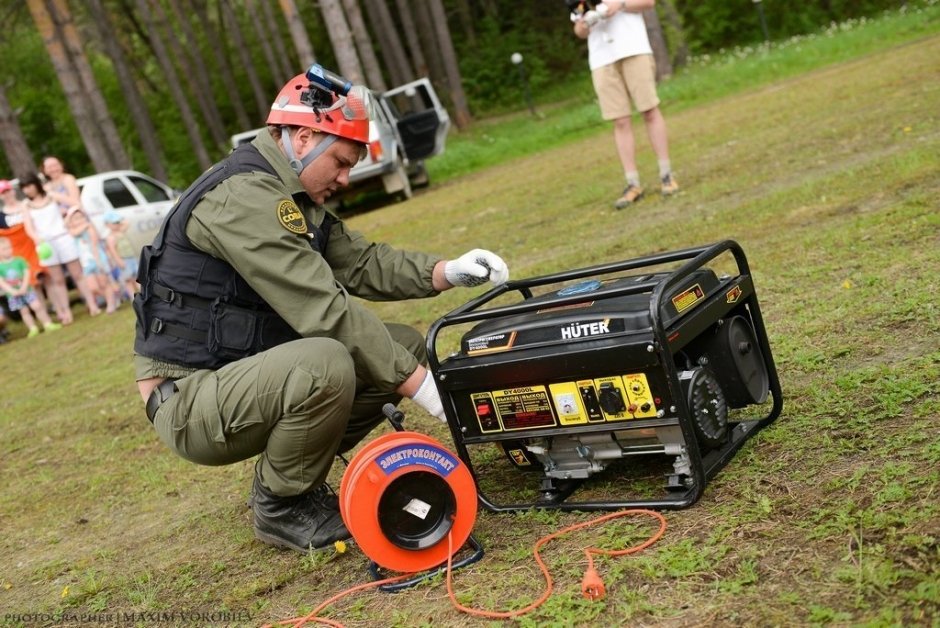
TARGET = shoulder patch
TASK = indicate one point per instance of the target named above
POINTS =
(291, 217)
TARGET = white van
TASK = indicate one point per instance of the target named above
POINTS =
(141, 200)
(410, 125)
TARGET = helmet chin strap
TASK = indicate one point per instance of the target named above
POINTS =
(298, 165)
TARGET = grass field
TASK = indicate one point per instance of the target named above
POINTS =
(569, 112)
(830, 180)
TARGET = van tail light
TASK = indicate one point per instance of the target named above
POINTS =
(375, 150)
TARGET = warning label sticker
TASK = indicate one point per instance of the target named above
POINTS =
(491, 343)
(418, 508)
(687, 298)
(524, 408)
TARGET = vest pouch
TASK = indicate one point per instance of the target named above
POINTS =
(231, 330)
(143, 269)
(143, 321)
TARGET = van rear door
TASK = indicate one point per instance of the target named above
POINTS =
(421, 120)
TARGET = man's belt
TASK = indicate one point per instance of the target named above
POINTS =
(160, 394)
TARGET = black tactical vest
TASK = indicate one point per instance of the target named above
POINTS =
(194, 309)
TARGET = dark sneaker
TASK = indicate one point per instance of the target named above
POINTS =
(669, 185)
(310, 521)
(631, 194)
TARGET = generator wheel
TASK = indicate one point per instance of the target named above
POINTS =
(708, 407)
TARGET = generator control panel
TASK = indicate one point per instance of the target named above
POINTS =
(582, 402)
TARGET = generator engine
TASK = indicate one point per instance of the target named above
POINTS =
(658, 362)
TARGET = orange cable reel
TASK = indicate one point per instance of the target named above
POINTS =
(401, 497)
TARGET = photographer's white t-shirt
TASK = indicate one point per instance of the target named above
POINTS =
(619, 36)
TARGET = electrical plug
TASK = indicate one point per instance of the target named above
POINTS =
(592, 587)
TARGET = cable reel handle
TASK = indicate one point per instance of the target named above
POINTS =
(395, 416)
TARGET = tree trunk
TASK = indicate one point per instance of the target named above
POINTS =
(676, 34)
(230, 23)
(418, 62)
(425, 28)
(490, 8)
(62, 17)
(391, 48)
(140, 115)
(341, 38)
(264, 40)
(199, 84)
(658, 43)
(462, 116)
(84, 119)
(298, 33)
(217, 46)
(126, 37)
(286, 68)
(173, 85)
(370, 64)
(465, 14)
(15, 149)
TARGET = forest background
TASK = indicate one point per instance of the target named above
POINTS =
(160, 85)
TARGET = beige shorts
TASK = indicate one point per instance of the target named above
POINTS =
(629, 79)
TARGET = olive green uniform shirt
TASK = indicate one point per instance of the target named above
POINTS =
(238, 222)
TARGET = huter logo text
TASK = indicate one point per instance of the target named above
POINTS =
(577, 330)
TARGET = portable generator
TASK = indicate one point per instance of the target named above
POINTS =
(623, 385)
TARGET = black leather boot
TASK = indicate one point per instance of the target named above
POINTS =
(301, 522)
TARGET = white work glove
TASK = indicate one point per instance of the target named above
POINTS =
(475, 268)
(591, 18)
(428, 398)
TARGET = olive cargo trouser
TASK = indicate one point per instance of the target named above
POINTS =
(297, 405)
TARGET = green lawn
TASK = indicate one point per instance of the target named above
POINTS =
(828, 177)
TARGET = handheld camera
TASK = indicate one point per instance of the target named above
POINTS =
(580, 7)
(590, 11)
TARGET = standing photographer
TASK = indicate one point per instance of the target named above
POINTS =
(623, 69)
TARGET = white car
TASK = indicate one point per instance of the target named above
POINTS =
(410, 125)
(141, 200)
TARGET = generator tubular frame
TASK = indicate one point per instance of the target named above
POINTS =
(704, 465)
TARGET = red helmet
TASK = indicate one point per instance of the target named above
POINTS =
(302, 103)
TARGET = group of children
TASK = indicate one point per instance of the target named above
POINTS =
(108, 263)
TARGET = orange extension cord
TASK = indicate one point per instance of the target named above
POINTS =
(592, 587)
